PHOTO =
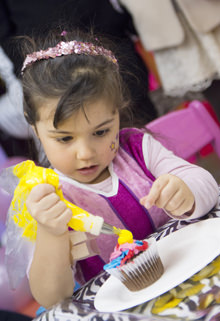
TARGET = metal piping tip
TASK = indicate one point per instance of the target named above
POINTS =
(109, 229)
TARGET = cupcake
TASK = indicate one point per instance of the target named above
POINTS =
(137, 265)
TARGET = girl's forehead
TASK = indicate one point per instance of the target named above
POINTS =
(90, 112)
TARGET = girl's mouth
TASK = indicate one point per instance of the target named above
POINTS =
(88, 170)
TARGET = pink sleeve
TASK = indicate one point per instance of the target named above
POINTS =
(160, 161)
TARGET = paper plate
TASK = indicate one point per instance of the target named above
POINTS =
(183, 253)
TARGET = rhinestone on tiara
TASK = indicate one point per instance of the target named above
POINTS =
(68, 48)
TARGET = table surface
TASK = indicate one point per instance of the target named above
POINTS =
(202, 303)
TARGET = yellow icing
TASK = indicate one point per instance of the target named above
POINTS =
(124, 236)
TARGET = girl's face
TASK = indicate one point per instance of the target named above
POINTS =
(83, 145)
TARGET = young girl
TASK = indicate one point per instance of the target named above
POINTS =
(75, 102)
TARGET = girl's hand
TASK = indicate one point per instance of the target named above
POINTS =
(48, 210)
(172, 194)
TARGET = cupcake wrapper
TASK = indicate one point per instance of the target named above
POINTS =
(142, 271)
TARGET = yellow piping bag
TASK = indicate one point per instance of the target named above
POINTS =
(30, 175)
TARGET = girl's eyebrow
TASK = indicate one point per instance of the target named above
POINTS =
(59, 131)
(67, 132)
(105, 123)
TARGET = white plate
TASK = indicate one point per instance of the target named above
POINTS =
(183, 253)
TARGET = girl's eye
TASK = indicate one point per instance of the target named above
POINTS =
(101, 133)
(64, 139)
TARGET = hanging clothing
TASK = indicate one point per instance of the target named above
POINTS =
(185, 41)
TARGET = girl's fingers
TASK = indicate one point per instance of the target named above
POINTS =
(48, 201)
(175, 202)
(65, 217)
(168, 195)
(59, 224)
(154, 194)
(39, 191)
(49, 211)
(52, 213)
(183, 208)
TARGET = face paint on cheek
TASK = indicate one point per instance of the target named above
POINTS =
(114, 145)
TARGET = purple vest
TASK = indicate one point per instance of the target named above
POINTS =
(123, 209)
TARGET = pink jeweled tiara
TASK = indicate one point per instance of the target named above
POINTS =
(67, 48)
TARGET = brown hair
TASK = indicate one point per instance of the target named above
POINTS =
(75, 79)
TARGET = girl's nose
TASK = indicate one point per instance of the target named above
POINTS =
(85, 151)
